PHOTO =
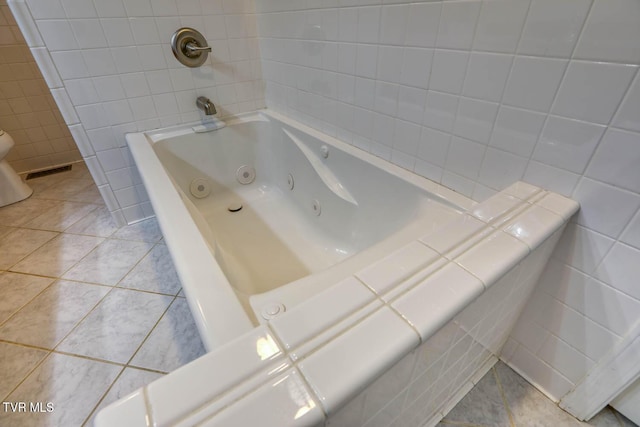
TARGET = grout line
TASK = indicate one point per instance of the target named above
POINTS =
(503, 396)
(84, 423)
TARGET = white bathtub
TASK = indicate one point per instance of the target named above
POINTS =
(317, 211)
(399, 296)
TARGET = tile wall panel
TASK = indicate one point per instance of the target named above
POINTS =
(111, 66)
(27, 110)
(475, 95)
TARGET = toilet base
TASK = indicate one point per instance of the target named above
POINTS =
(12, 188)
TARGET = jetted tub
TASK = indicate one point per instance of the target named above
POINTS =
(264, 213)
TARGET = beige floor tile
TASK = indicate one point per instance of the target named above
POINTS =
(62, 216)
(5, 230)
(64, 189)
(117, 326)
(97, 223)
(49, 317)
(58, 255)
(173, 342)
(109, 262)
(20, 243)
(154, 273)
(22, 212)
(90, 194)
(144, 231)
(73, 385)
(15, 363)
(16, 290)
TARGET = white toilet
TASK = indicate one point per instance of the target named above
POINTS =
(12, 188)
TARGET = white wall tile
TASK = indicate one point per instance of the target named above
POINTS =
(517, 130)
(475, 119)
(567, 144)
(457, 24)
(616, 161)
(582, 248)
(465, 157)
(533, 82)
(416, 67)
(620, 269)
(499, 25)
(592, 91)
(440, 111)
(448, 70)
(487, 76)
(552, 27)
(604, 208)
(611, 32)
(500, 169)
(551, 178)
(422, 24)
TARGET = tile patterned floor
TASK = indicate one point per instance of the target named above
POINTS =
(504, 399)
(88, 311)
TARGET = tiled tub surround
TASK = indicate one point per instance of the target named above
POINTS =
(397, 344)
(476, 95)
(111, 71)
(27, 110)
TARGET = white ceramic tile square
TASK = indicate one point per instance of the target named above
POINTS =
(487, 75)
(48, 69)
(57, 34)
(499, 25)
(568, 144)
(582, 248)
(616, 160)
(416, 67)
(309, 319)
(500, 168)
(422, 24)
(434, 146)
(345, 366)
(531, 226)
(475, 119)
(448, 70)
(482, 260)
(604, 208)
(411, 103)
(440, 111)
(516, 130)
(592, 90)
(435, 301)
(465, 157)
(393, 24)
(458, 183)
(397, 267)
(552, 27)
(610, 32)
(457, 24)
(533, 82)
